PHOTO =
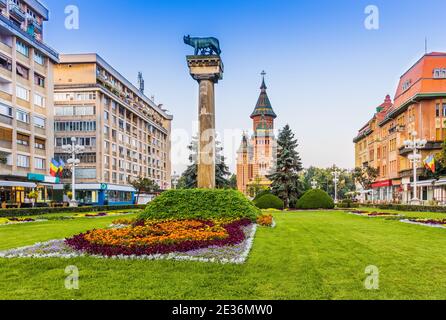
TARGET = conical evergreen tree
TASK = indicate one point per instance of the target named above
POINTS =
(285, 177)
(189, 176)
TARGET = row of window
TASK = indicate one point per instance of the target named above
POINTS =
(24, 162)
(83, 141)
(71, 96)
(23, 93)
(74, 111)
(70, 126)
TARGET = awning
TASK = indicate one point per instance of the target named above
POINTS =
(424, 183)
(381, 184)
(17, 184)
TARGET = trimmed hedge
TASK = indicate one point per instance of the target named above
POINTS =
(261, 194)
(269, 201)
(315, 199)
(26, 212)
(407, 207)
(200, 204)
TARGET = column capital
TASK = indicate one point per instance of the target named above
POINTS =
(205, 68)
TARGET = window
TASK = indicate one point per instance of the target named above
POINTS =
(39, 144)
(22, 93)
(22, 116)
(39, 122)
(5, 62)
(5, 110)
(22, 161)
(22, 140)
(22, 71)
(39, 163)
(440, 73)
(407, 84)
(39, 80)
(22, 48)
(444, 110)
(39, 58)
(437, 110)
(39, 100)
(69, 126)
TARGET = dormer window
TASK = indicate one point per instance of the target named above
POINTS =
(440, 73)
(407, 84)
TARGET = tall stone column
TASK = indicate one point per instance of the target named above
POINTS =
(207, 70)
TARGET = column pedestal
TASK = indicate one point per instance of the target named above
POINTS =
(207, 71)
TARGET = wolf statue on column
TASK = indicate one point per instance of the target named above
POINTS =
(204, 46)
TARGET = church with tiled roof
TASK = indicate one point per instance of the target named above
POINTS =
(255, 157)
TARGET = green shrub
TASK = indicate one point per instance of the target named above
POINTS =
(200, 204)
(24, 212)
(347, 203)
(262, 193)
(269, 201)
(315, 199)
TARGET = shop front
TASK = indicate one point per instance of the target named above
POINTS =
(382, 191)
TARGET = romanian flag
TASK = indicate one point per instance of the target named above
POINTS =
(429, 163)
(54, 168)
(61, 167)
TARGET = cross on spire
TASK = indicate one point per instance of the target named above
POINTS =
(263, 74)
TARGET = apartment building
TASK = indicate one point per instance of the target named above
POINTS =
(419, 106)
(125, 134)
(26, 101)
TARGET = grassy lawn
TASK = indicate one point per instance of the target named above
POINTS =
(309, 255)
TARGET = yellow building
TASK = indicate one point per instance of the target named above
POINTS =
(419, 106)
(26, 101)
(255, 158)
(126, 135)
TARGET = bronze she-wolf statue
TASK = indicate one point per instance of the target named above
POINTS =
(204, 46)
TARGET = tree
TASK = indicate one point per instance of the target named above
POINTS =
(365, 176)
(144, 185)
(324, 180)
(285, 178)
(233, 182)
(256, 187)
(188, 179)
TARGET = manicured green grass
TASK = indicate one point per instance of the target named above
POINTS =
(309, 255)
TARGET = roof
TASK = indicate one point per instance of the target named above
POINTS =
(263, 106)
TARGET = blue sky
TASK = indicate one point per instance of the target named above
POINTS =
(326, 72)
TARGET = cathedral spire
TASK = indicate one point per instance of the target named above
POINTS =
(263, 106)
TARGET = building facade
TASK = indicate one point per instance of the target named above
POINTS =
(255, 158)
(26, 102)
(125, 134)
(419, 106)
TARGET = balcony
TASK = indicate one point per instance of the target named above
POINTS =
(397, 128)
(40, 131)
(34, 24)
(5, 120)
(5, 144)
(431, 145)
(16, 12)
(23, 148)
(23, 125)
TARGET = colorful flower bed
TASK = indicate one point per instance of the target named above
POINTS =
(159, 237)
(101, 214)
(191, 240)
(9, 221)
(373, 214)
(436, 223)
(266, 220)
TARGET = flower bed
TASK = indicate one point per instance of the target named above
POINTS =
(159, 237)
(101, 214)
(266, 220)
(206, 241)
(441, 223)
(373, 214)
(10, 221)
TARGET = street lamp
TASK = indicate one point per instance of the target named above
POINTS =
(336, 174)
(414, 145)
(73, 149)
(314, 184)
(175, 179)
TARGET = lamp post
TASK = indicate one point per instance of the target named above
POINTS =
(73, 149)
(314, 184)
(336, 174)
(414, 145)
(175, 179)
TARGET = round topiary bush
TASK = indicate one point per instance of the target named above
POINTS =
(269, 201)
(315, 199)
(200, 204)
(262, 193)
